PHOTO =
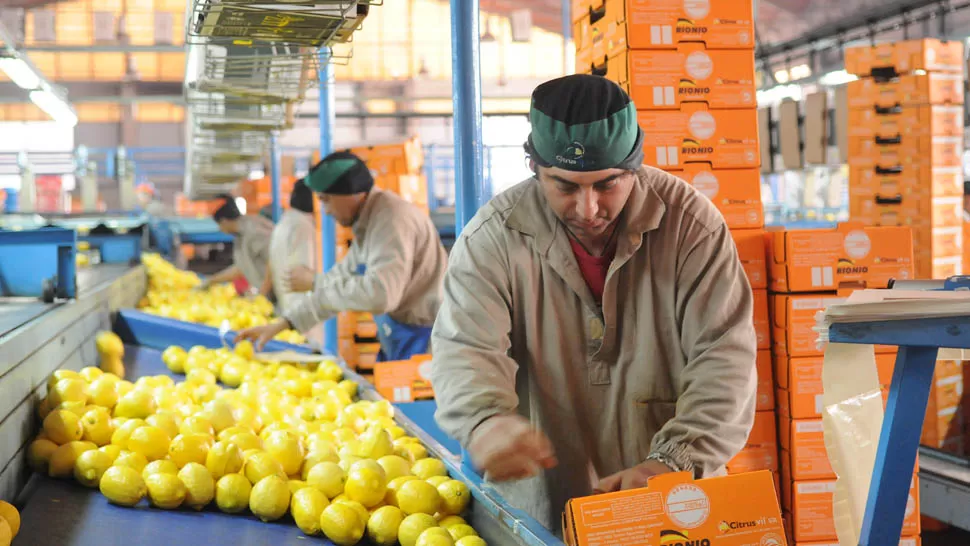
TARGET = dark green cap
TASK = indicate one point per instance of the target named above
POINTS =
(584, 123)
(340, 173)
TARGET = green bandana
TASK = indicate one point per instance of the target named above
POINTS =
(340, 173)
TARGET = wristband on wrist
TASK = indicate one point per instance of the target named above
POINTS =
(669, 461)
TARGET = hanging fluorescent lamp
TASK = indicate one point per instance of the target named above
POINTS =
(20, 73)
(837, 77)
(54, 106)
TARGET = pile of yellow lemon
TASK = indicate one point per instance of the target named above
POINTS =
(287, 439)
(172, 293)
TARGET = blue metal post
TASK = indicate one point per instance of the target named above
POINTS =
(274, 176)
(467, 87)
(328, 229)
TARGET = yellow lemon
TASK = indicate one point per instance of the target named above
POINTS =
(392, 486)
(232, 493)
(315, 457)
(200, 489)
(137, 404)
(361, 510)
(438, 480)
(219, 413)
(97, 427)
(226, 434)
(341, 524)
(123, 485)
(39, 454)
(411, 451)
(418, 497)
(189, 448)
(90, 466)
(68, 390)
(471, 541)
(123, 432)
(63, 427)
(111, 451)
(449, 521)
(123, 387)
(412, 527)
(152, 442)
(246, 441)
(328, 477)
(131, 459)
(196, 424)
(90, 373)
(269, 498)
(366, 483)
(306, 506)
(9, 513)
(60, 374)
(454, 497)
(244, 349)
(224, 458)
(174, 359)
(166, 491)
(61, 464)
(348, 387)
(436, 536)
(77, 408)
(108, 343)
(394, 466)
(200, 376)
(286, 449)
(261, 465)
(161, 466)
(296, 485)
(428, 467)
(383, 524)
(166, 421)
(461, 531)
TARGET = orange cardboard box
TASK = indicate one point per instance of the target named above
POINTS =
(941, 241)
(724, 139)
(939, 268)
(735, 192)
(941, 151)
(674, 507)
(922, 180)
(907, 211)
(762, 321)
(618, 25)
(666, 79)
(792, 320)
(803, 449)
(766, 382)
(815, 260)
(799, 394)
(346, 324)
(579, 9)
(584, 58)
(938, 120)
(927, 54)
(909, 90)
(761, 449)
(404, 380)
(751, 251)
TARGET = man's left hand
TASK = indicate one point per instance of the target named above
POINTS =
(300, 278)
(632, 478)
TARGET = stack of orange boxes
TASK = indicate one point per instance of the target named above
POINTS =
(944, 427)
(397, 168)
(809, 270)
(689, 68)
(906, 144)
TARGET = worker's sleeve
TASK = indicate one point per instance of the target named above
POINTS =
(472, 374)
(311, 310)
(378, 288)
(716, 403)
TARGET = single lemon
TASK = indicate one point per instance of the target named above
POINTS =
(285, 448)
(306, 506)
(219, 413)
(108, 343)
(197, 424)
(225, 434)
(341, 524)
(189, 448)
(131, 459)
(152, 442)
(76, 407)
(383, 524)
(454, 497)
(411, 451)
(366, 483)
(328, 477)
(270, 498)
(429, 467)
(123, 485)
(449, 521)
(68, 390)
(246, 441)
(166, 491)
(90, 466)
(461, 531)
(166, 421)
(392, 486)
(394, 466)
(224, 458)
(63, 458)
(90, 373)
(261, 465)
(200, 376)
(63, 427)
(375, 443)
(112, 451)
(137, 404)
(232, 493)
(161, 466)
(174, 359)
(436, 536)
(296, 485)
(9, 513)
(471, 541)
(244, 349)
(348, 387)
(200, 489)
(412, 527)
(438, 480)
(123, 432)
(97, 427)
(39, 454)
(361, 510)
(418, 497)
(60, 374)
(316, 457)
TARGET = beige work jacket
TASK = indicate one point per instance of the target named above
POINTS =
(250, 249)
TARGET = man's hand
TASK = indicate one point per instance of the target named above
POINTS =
(508, 447)
(632, 478)
(261, 334)
(300, 278)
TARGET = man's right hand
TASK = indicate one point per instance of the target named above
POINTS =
(508, 447)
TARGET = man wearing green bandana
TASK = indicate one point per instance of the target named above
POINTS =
(596, 328)
(394, 268)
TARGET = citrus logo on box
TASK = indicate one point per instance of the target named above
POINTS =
(669, 537)
(686, 26)
(691, 146)
(689, 87)
(848, 267)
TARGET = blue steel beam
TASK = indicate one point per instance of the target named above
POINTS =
(467, 87)
(328, 229)
(274, 175)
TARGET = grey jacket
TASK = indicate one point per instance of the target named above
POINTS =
(250, 250)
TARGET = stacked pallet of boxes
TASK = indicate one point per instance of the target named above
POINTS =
(689, 67)
(397, 168)
(906, 144)
(809, 270)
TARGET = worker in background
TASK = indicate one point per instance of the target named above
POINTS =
(393, 269)
(596, 327)
(250, 248)
(293, 244)
(148, 200)
(966, 200)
